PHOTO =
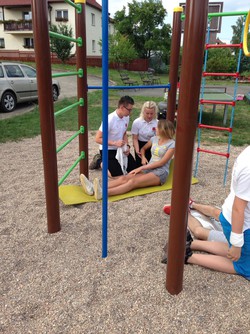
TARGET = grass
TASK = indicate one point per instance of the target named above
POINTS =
(28, 125)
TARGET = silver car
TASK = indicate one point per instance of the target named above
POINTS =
(18, 84)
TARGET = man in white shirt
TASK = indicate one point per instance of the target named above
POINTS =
(118, 122)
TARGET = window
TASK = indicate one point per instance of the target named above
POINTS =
(1, 14)
(92, 19)
(29, 71)
(62, 15)
(28, 43)
(93, 45)
(2, 43)
(13, 71)
(27, 16)
(1, 72)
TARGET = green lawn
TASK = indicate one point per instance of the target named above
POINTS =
(27, 125)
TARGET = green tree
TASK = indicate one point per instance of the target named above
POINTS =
(144, 26)
(221, 61)
(61, 47)
(237, 37)
(121, 50)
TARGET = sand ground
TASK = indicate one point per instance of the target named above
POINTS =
(59, 283)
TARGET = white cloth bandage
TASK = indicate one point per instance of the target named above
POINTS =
(122, 158)
(237, 239)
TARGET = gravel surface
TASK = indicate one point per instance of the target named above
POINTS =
(58, 283)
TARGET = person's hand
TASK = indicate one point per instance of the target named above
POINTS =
(234, 253)
(136, 171)
(127, 151)
(119, 143)
(138, 153)
(144, 161)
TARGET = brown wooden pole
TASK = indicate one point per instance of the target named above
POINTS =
(174, 63)
(46, 108)
(82, 91)
(191, 72)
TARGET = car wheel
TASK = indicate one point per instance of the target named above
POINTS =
(8, 102)
(55, 93)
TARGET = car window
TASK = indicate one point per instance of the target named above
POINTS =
(1, 72)
(13, 71)
(29, 71)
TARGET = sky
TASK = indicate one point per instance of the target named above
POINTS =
(227, 22)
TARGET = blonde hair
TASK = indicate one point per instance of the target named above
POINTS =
(149, 105)
(166, 128)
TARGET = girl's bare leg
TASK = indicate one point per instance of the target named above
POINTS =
(212, 247)
(207, 210)
(214, 262)
(135, 182)
(197, 229)
(114, 182)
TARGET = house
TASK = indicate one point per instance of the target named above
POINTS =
(16, 31)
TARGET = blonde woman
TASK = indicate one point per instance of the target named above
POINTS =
(144, 128)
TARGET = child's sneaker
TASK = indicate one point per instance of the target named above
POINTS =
(190, 203)
(167, 209)
(97, 189)
(87, 185)
(96, 162)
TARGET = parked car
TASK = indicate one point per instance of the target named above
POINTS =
(18, 84)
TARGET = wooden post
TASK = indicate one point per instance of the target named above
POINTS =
(191, 72)
(46, 108)
(174, 63)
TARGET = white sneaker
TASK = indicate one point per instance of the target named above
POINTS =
(87, 185)
(97, 189)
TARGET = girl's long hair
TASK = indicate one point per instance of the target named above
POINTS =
(166, 128)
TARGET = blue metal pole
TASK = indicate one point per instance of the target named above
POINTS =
(105, 103)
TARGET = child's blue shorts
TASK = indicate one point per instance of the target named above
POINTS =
(242, 266)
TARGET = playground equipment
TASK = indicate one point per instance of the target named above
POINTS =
(194, 33)
(189, 99)
(221, 99)
(245, 48)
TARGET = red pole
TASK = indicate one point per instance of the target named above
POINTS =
(46, 108)
(82, 92)
(174, 63)
(194, 41)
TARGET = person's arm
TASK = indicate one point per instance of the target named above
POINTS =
(167, 156)
(117, 143)
(237, 237)
(136, 145)
(143, 150)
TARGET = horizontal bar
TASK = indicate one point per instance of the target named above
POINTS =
(68, 38)
(67, 74)
(79, 103)
(217, 46)
(213, 152)
(130, 87)
(213, 127)
(82, 156)
(69, 140)
(206, 74)
(222, 14)
(227, 14)
(229, 103)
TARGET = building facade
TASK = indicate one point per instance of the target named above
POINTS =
(16, 31)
